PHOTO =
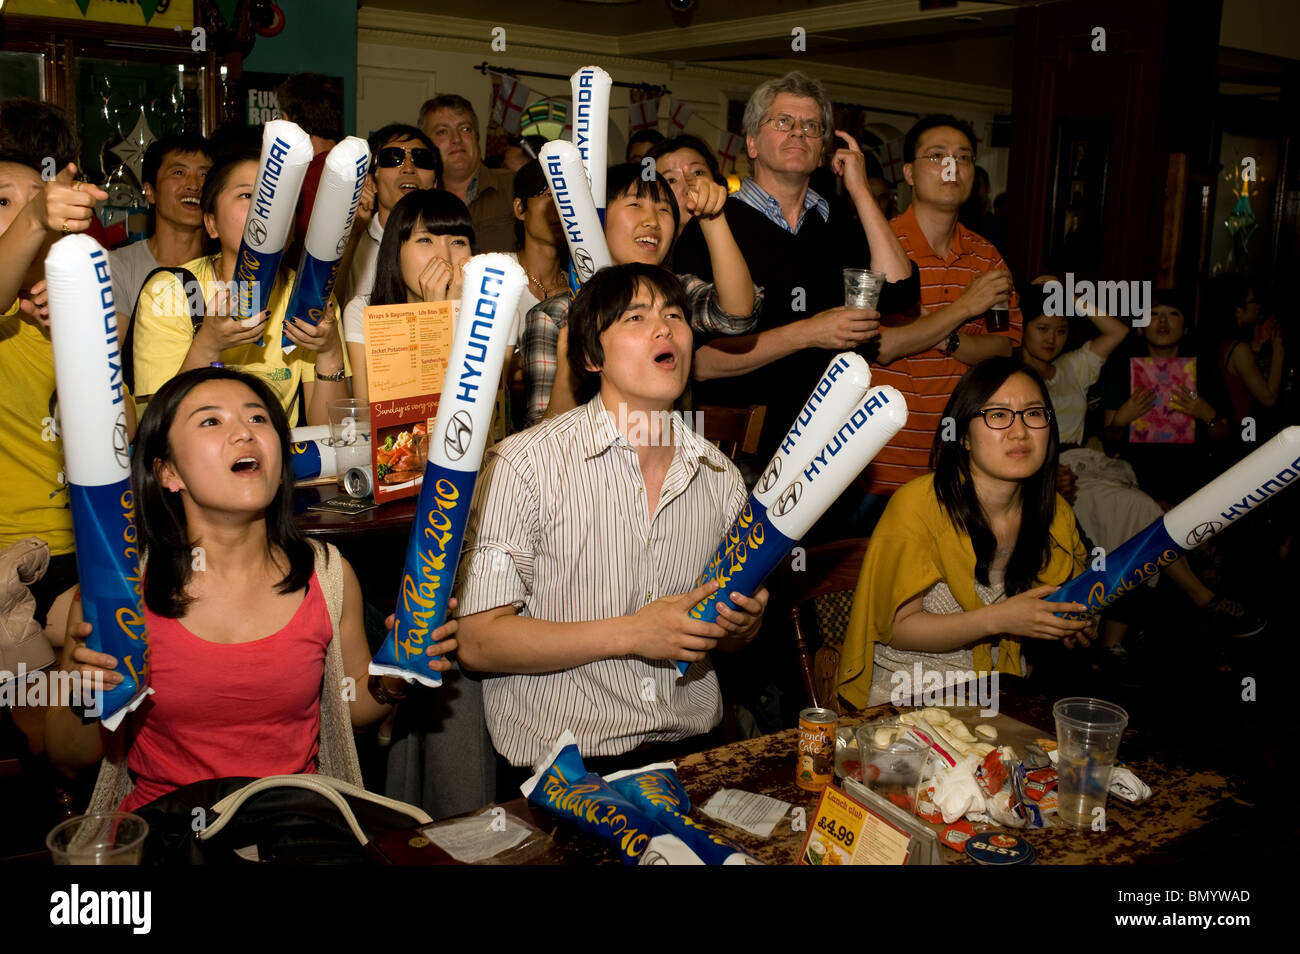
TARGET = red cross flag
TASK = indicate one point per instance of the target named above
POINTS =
(643, 115)
(729, 146)
(678, 115)
(891, 160)
(512, 97)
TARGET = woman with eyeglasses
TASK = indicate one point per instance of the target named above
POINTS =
(166, 341)
(402, 159)
(429, 236)
(964, 560)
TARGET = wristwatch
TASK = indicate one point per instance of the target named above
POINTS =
(381, 695)
(949, 346)
(338, 375)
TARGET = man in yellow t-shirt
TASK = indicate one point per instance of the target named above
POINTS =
(164, 336)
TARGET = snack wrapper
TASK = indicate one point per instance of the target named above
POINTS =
(286, 154)
(92, 403)
(332, 215)
(563, 786)
(492, 284)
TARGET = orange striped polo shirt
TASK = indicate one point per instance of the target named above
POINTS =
(927, 379)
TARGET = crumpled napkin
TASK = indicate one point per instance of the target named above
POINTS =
(1124, 784)
(955, 790)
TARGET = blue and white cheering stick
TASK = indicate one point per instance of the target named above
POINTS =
(761, 536)
(311, 454)
(286, 154)
(92, 411)
(332, 214)
(590, 87)
(492, 286)
(1238, 491)
(562, 166)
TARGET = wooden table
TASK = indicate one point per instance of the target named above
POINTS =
(1185, 805)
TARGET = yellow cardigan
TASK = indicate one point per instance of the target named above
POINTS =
(915, 546)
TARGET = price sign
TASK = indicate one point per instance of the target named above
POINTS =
(846, 832)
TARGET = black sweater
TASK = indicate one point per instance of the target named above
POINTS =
(784, 263)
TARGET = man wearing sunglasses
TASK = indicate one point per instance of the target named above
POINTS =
(451, 123)
(402, 159)
(925, 351)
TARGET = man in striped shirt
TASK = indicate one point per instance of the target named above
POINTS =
(925, 353)
(584, 542)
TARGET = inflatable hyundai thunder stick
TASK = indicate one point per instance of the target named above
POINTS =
(311, 455)
(493, 283)
(332, 215)
(286, 154)
(583, 233)
(590, 87)
(1238, 491)
(761, 536)
(92, 411)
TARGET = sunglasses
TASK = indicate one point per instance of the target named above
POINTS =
(392, 156)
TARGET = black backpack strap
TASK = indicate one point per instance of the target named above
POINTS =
(195, 310)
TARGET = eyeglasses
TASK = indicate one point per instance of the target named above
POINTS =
(1000, 418)
(442, 132)
(962, 158)
(812, 128)
(392, 156)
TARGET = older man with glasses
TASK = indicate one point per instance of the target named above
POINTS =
(450, 121)
(796, 245)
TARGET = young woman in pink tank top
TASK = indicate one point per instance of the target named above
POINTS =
(238, 624)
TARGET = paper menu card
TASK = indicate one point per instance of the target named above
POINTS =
(407, 349)
(1162, 424)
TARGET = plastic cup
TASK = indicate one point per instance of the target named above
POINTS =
(894, 770)
(1087, 737)
(862, 287)
(349, 434)
(998, 318)
(102, 838)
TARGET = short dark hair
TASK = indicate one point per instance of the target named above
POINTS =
(386, 134)
(652, 136)
(926, 123)
(160, 514)
(452, 101)
(315, 102)
(441, 212)
(32, 132)
(182, 142)
(599, 302)
(955, 490)
(694, 144)
(626, 177)
(220, 174)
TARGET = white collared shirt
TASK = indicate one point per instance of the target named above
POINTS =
(560, 526)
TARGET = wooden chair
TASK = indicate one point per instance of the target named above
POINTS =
(826, 581)
(735, 430)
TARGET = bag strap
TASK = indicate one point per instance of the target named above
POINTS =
(332, 789)
(195, 312)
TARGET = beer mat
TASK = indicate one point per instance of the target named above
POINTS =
(756, 814)
(344, 504)
(478, 838)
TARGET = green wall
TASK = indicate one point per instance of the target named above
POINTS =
(319, 36)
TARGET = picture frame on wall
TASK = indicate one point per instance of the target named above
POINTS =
(1080, 166)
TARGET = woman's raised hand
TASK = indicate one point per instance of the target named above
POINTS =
(97, 671)
(1139, 402)
(437, 279)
